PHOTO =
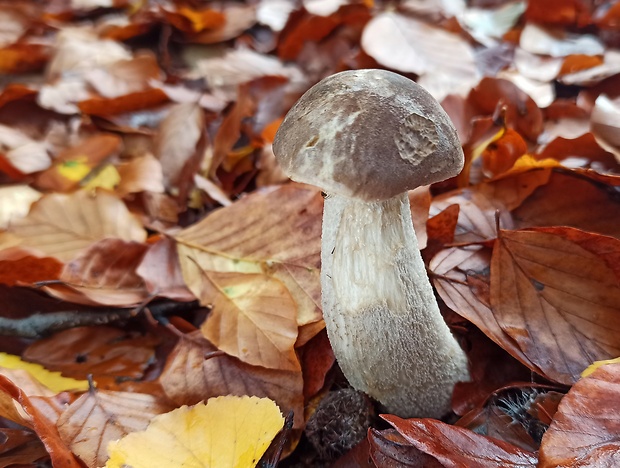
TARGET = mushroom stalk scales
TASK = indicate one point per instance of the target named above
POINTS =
(381, 315)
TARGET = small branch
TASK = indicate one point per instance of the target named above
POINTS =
(37, 325)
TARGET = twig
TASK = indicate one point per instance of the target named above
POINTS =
(37, 325)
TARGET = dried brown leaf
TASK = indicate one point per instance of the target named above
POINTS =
(177, 139)
(99, 417)
(196, 371)
(550, 294)
(63, 226)
(585, 429)
(251, 237)
(104, 274)
(46, 430)
(106, 353)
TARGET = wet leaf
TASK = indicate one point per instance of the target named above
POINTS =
(227, 431)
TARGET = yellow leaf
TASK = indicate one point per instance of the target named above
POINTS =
(227, 432)
(596, 364)
(75, 169)
(52, 380)
(107, 178)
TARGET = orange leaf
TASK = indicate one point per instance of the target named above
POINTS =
(61, 456)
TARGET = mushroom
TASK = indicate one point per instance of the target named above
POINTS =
(366, 137)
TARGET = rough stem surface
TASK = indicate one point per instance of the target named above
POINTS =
(382, 317)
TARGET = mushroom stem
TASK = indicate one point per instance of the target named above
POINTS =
(381, 314)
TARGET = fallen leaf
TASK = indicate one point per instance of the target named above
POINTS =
(569, 199)
(99, 417)
(63, 226)
(74, 164)
(52, 380)
(461, 276)
(457, 446)
(549, 293)
(558, 43)
(27, 270)
(444, 60)
(20, 447)
(141, 174)
(196, 370)
(15, 202)
(253, 316)
(227, 431)
(177, 140)
(161, 271)
(104, 274)
(389, 449)
(283, 244)
(105, 352)
(585, 429)
(60, 455)
(597, 364)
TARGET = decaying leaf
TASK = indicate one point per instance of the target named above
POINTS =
(227, 431)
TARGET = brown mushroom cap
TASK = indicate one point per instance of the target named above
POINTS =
(370, 134)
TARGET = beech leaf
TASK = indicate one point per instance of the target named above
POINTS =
(52, 380)
(99, 417)
(62, 226)
(584, 431)
(227, 431)
(456, 446)
(549, 294)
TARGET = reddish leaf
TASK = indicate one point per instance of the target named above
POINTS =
(18, 447)
(104, 274)
(316, 360)
(455, 446)
(389, 449)
(586, 428)
(28, 270)
(61, 456)
(570, 199)
(549, 293)
(521, 112)
(129, 103)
